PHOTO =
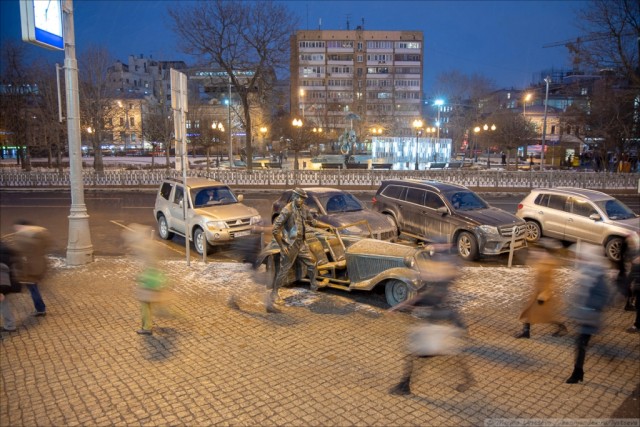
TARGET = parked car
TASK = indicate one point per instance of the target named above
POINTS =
(349, 262)
(215, 216)
(435, 211)
(337, 208)
(572, 214)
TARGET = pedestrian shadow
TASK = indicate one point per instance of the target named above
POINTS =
(508, 357)
(161, 345)
(249, 309)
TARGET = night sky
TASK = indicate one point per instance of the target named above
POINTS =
(501, 40)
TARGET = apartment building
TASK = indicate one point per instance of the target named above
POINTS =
(357, 79)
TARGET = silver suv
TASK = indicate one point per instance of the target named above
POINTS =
(442, 212)
(215, 216)
(572, 214)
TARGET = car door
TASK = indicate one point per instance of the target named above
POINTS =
(438, 226)
(580, 226)
(413, 212)
(553, 214)
(176, 210)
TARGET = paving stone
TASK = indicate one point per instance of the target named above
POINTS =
(326, 360)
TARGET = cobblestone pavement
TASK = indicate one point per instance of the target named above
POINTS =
(326, 360)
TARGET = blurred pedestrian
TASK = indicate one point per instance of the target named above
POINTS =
(629, 250)
(634, 285)
(32, 243)
(289, 231)
(8, 286)
(441, 328)
(589, 301)
(543, 305)
(151, 280)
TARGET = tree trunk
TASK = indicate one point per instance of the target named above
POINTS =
(98, 164)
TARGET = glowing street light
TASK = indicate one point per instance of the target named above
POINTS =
(527, 98)
(477, 130)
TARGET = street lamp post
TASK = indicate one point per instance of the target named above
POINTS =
(476, 131)
(547, 80)
(297, 123)
(438, 103)
(220, 128)
(317, 131)
(417, 124)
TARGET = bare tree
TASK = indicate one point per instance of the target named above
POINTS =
(45, 108)
(465, 95)
(96, 103)
(158, 128)
(613, 31)
(248, 38)
(512, 131)
(14, 103)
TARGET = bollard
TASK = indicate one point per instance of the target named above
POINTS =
(513, 241)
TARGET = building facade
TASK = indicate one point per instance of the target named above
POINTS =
(358, 80)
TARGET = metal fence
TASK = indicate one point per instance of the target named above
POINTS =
(358, 179)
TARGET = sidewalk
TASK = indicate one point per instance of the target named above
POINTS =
(327, 360)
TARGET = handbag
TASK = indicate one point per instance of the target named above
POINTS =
(431, 339)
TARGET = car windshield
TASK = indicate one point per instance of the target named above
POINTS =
(615, 209)
(343, 202)
(212, 196)
(466, 201)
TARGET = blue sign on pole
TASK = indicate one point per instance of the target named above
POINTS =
(42, 23)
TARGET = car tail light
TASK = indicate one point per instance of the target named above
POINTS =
(520, 206)
(373, 199)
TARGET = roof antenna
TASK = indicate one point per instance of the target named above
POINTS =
(348, 16)
(319, 23)
(363, 24)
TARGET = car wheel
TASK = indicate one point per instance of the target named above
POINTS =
(398, 291)
(393, 223)
(200, 240)
(614, 249)
(467, 246)
(163, 228)
(533, 232)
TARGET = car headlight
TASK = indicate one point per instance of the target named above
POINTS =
(216, 225)
(255, 220)
(410, 261)
(489, 230)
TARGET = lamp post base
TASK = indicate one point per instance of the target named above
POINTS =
(79, 247)
(417, 167)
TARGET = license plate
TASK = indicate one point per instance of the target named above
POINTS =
(242, 233)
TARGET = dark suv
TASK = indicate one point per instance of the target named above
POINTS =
(435, 211)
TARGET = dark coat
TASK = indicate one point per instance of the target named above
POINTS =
(284, 224)
(9, 257)
(32, 244)
(591, 299)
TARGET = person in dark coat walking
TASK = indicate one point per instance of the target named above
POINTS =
(444, 321)
(8, 285)
(32, 243)
(590, 299)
